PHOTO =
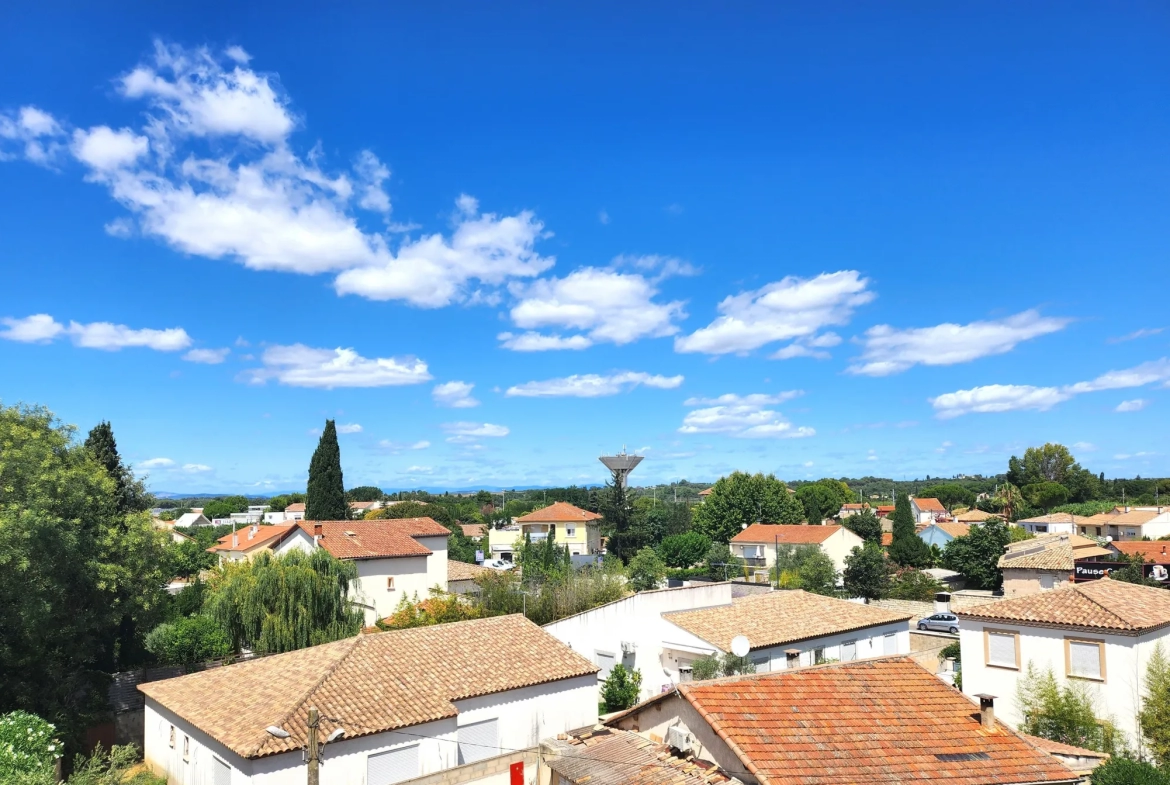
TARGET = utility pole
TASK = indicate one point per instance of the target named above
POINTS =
(314, 750)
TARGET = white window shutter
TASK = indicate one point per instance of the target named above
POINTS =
(1085, 659)
(387, 768)
(605, 662)
(1001, 649)
(223, 773)
(478, 741)
(848, 651)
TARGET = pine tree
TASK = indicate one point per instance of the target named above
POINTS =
(325, 500)
(130, 496)
(907, 548)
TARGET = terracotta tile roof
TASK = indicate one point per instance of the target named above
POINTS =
(609, 756)
(462, 571)
(1057, 748)
(244, 540)
(473, 529)
(361, 505)
(1050, 552)
(1102, 604)
(854, 506)
(1133, 518)
(882, 509)
(1157, 552)
(881, 722)
(786, 533)
(977, 516)
(374, 683)
(376, 539)
(953, 529)
(295, 507)
(929, 505)
(1057, 517)
(706, 492)
(780, 617)
(558, 512)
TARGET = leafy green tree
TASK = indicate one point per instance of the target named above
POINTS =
(706, 667)
(812, 510)
(1133, 571)
(279, 503)
(865, 525)
(907, 548)
(364, 493)
(130, 495)
(911, 584)
(189, 557)
(280, 603)
(1126, 771)
(742, 499)
(828, 495)
(734, 665)
(624, 539)
(818, 574)
(646, 570)
(189, 640)
(1154, 717)
(543, 561)
(950, 495)
(326, 491)
(438, 609)
(223, 508)
(459, 546)
(1050, 463)
(1045, 495)
(621, 688)
(1062, 713)
(720, 564)
(867, 572)
(976, 554)
(79, 578)
(684, 550)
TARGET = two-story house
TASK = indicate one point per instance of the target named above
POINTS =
(1099, 635)
(1054, 523)
(1129, 524)
(578, 530)
(1044, 563)
(757, 544)
(927, 510)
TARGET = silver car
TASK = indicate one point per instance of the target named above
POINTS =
(942, 622)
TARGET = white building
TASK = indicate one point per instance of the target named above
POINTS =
(927, 510)
(1098, 634)
(1129, 524)
(1055, 523)
(292, 513)
(407, 703)
(785, 629)
(757, 544)
(192, 519)
(633, 632)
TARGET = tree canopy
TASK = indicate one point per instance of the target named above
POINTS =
(828, 494)
(741, 499)
(684, 550)
(976, 554)
(867, 572)
(326, 489)
(865, 525)
(950, 495)
(907, 548)
(364, 493)
(129, 493)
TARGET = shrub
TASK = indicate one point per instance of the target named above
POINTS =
(684, 550)
(706, 667)
(621, 688)
(1124, 771)
(1062, 713)
(189, 640)
(646, 569)
(911, 584)
(28, 745)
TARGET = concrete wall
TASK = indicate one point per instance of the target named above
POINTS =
(1020, 582)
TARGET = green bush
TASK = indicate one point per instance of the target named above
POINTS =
(684, 550)
(189, 640)
(621, 688)
(911, 584)
(28, 745)
(1124, 771)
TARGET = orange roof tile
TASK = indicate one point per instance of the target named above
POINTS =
(785, 533)
(473, 529)
(778, 617)
(1157, 552)
(375, 682)
(245, 540)
(881, 722)
(852, 506)
(977, 516)
(609, 756)
(295, 507)
(1057, 748)
(1133, 518)
(377, 539)
(462, 571)
(1058, 517)
(706, 491)
(929, 505)
(1096, 605)
(558, 512)
(953, 529)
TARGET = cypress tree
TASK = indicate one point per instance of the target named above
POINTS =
(812, 510)
(130, 496)
(325, 500)
(907, 548)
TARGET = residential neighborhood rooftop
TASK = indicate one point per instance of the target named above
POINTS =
(1131, 518)
(952, 528)
(610, 756)
(462, 571)
(1058, 517)
(1157, 552)
(976, 516)
(377, 539)
(473, 530)
(1097, 605)
(930, 504)
(784, 616)
(295, 507)
(786, 533)
(1050, 552)
(250, 537)
(559, 512)
(374, 683)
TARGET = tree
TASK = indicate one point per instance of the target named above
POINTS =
(189, 640)
(438, 609)
(976, 554)
(224, 507)
(616, 510)
(189, 557)
(818, 574)
(720, 564)
(459, 546)
(829, 495)
(867, 572)
(865, 525)
(364, 493)
(646, 569)
(734, 665)
(129, 494)
(812, 510)
(1133, 571)
(79, 578)
(911, 584)
(742, 499)
(684, 550)
(950, 495)
(1045, 495)
(621, 688)
(706, 667)
(280, 603)
(1060, 713)
(1126, 771)
(279, 503)
(543, 561)
(326, 491)
(907, 548)
(1050, 463)
(1154, 717)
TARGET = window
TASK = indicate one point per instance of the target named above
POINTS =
(1098, 531)
(604, 660)
(1001, 648)
(570, 531)
(387, 768)
(478, 741)
(1084, 659)
(685, 672)
(172, 742)
(390, 583)
(1047, 582)
(848, 651)
(890, 643)
(762, 664)
(222, 774)
(186, 748)
(819, 656)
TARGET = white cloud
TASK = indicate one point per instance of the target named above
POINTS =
(207, 356)
(32, 134)
(420, 445)
(464, 432)
(813, 346)
(871, 456)
(394, 447)
(352, 427)
(591, 385)
(303, 366)
(889, 350)
(997, 398)
(1012, 397)
(788, 309)
(1084, 447)
(603, 217)
(103, 148)
(603, 305)
(38, 328)
(112, 337)
(418, 470)
(1144, 332)
(155, 463)
(742, 416)
(371, 174)
(1136, 405)
(752, 399)
(1127, 456)
(455, 395)
(196, 468)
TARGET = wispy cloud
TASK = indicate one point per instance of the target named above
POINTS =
(1136, 405)
(741, 416)
(465, 432)
(207, 356)
(352, 427)
(42, 328)
(591, 385)
(1144, 332)
(155, 463)
(455, 395)
(303, 366)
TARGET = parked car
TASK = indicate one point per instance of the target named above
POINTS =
(942, 622)
(499, 564)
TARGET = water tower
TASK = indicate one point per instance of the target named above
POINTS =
(620, 465)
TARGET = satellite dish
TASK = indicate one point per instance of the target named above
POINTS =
(740, 646)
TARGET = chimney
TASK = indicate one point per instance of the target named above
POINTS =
(942, 602)
(317, 530)
(986, 711)
(235, 541)
(792, 657)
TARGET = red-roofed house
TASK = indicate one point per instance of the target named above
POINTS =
(851, 509)
(927, 510)
(579, 530)
(757, 544)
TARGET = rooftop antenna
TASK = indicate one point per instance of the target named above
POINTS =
(620, 465)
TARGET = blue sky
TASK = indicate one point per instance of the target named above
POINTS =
(496, 241)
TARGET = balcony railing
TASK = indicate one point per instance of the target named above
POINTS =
(755, 561)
